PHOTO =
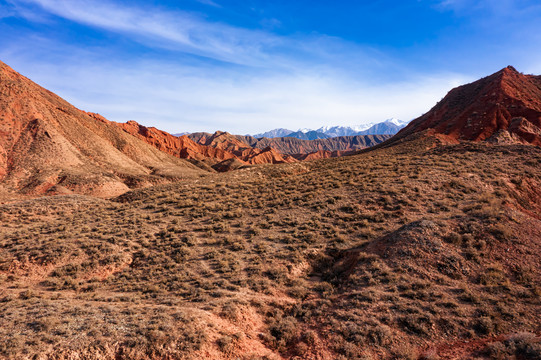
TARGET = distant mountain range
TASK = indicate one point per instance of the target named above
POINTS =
(298, 148)
(308, 135)
(387, 127)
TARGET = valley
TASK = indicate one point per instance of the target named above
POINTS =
(121, 241)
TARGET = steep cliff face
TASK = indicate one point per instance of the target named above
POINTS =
(504, 102)
(46, 144)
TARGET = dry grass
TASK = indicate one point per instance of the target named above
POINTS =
(376, 255)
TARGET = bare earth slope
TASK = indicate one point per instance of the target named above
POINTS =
(47, 144)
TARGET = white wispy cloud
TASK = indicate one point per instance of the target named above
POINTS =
(209, 2)
(174, 30)
(183, 31)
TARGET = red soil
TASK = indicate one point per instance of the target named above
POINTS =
(46, 144)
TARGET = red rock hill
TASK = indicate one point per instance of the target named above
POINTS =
(506, 103)
(48, 145)
(182, 146)
(244, 152)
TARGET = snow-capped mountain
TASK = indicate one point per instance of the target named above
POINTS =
(308, 135)
(397, 122)
(387, 127)
(274, 133)
(334, 131)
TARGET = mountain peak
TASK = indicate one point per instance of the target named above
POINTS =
(510, 69)
(509, 74)
(388, 127)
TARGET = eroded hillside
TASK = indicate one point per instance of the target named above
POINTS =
(47, 146)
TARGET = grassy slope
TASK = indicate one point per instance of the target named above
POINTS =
(390, 253)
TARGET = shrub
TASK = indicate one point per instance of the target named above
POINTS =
(225, 344)
(484, 325)
(284, 331)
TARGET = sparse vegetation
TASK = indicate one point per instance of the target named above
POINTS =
(370, 256)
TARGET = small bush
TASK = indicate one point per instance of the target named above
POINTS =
(284, 331)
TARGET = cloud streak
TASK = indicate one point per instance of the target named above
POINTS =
(179, 30)
(185, 32)
(209, 2)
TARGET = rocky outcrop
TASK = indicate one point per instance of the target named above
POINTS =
(243, 151)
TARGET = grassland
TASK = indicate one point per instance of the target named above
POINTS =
(407, 252)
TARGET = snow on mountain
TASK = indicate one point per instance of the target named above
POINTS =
(388, 127)
(334, 131)
(309, 135)
(274, 133)
(362, 127)
(397, 122)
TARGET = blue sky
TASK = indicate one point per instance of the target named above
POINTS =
(250, 66)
